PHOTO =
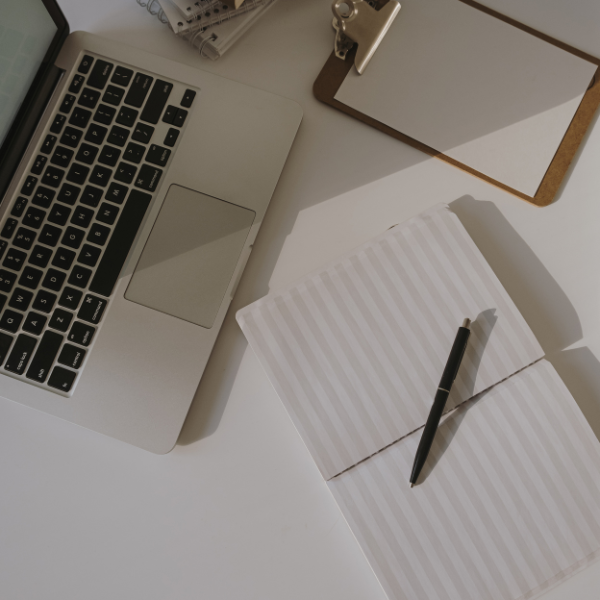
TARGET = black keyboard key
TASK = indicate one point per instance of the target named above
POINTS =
(82, 216)
(98, 234)
(118, 136)
(58, 123)
(100, 74)
(81, 333)
(7, 280)
(171, 138)
(67, 103)
(29, 185)
(89, 98)
(105, 114)
(44, 357)
(156, 101)
(5, 342)
(138, 90)
(142, 133)
(71, 137)
(34, 217)
(107, 213)
(73, 237)
(100, 176)
(40, 256)
(91, 196)
(117, 249)
(122, 76)
(9, 228)
(148, 178)
(14, 259)
(44, 301)
(125, 172)
(59, 214)
(157, 155)
(21, 354)
(30, 278)
(70, 298)
(89, 255)
(169, 114)
(127, 116)
(71, 356)
(34, 323)
(20, 299)
(11, 321)
(43, 197)
(19, 207)
(87, 154)
(92, 309)
(134, 153)
(3, 300)
(54, 280)
(53, 176)
(38, 164)
(63, 259)
(188, 98)
(24, 238)
(80, 117)
(180, 117)
(68, 193)
(80, 276)
(109, 156)
(76, 84)
(113, 95)
(78, 173)
(48, 144)
(62, 379)
(116, 193)
(96, 134)
(60, 320)
(49, 235)
(62, 157)
(3, 246)
(86, 63)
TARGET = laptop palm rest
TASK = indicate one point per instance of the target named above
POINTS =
(190, 257)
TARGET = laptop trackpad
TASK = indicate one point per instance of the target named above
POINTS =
(190, 256)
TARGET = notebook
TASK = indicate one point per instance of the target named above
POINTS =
(508, 503)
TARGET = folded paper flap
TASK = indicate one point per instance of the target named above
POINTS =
(356, 349)
(508, 505)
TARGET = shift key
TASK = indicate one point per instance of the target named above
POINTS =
(139, 89)
(44, 357)
(156, 101)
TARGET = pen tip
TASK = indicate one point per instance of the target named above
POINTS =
(412, 485)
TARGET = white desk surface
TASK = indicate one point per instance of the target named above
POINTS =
(238, 510)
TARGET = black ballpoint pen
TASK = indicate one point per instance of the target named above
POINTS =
(443, 391)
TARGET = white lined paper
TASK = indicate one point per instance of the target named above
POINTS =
(356, 349)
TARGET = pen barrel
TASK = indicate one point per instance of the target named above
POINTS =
(455, 358)
(429, 433)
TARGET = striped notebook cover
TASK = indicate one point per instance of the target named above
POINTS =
(355, 351)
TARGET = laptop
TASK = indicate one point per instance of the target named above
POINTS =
(132, 190)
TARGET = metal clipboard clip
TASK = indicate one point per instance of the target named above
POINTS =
(357, 22)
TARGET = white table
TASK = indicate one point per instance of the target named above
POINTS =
(238, 511)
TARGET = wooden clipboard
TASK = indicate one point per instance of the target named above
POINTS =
(335, 71)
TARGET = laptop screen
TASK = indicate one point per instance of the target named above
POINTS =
(26, 32)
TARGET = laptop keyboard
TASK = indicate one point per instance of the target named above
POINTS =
(68, 231)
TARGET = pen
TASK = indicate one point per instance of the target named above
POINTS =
(439, 402)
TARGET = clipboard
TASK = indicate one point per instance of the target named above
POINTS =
(335, 71)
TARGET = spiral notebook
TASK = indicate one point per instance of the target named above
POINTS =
(508, 503)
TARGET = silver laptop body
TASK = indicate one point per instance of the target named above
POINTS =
(149, 336)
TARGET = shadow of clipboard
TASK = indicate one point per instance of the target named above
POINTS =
(335, 71)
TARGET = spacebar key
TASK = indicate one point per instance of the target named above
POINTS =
(120, 242)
